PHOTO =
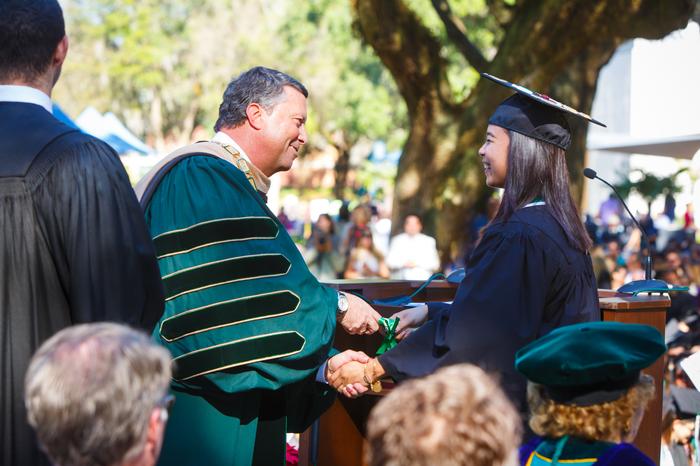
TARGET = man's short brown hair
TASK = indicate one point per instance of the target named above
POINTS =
(457, 416)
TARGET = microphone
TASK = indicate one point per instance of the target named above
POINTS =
(637, 286)
(591, 174)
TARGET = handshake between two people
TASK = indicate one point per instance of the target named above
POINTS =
(353, 373)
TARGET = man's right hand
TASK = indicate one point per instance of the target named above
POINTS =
(360, 318)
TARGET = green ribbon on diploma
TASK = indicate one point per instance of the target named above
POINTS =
(389, 326)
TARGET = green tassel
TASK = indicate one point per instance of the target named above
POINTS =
(560, 448)
(389, 326)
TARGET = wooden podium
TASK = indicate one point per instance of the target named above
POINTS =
(649, 310)
(337, 439)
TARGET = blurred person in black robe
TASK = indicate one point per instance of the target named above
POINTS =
(73, 243)
(529, 274)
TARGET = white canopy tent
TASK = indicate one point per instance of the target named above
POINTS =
(680, 147)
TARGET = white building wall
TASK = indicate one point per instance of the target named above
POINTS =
(648, 89)
(611, 105)
(665, 81)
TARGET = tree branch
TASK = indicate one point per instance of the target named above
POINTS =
(405, 46)
(457, 33)
(537, 26)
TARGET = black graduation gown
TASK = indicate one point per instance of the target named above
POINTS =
(522, 281)
(73, 248)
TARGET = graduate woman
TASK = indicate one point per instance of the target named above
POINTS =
(529, 274)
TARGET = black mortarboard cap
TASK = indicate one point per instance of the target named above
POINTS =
(686, 402)
(590, 363)
(535, 115)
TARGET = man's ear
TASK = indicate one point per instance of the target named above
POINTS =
(59, 55)
(256, 115)
(154, 435)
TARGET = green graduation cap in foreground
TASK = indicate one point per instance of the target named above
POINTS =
(590, 363)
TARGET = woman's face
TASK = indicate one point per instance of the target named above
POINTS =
(359, 216)
(494, 156)
(324, 224)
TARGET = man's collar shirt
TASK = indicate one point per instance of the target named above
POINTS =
(25, 94)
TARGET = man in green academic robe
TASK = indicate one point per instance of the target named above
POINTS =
(248, 325)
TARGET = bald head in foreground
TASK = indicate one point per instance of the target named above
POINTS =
(97, 394)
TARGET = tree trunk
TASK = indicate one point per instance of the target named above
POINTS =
(342, 165)
(156, 121)
(185, 132)
(342, 168)
(554, 46)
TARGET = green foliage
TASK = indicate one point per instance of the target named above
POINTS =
(649, 186)
(162, 65)
(482, 30)
(128, 53)
(375, 177)
(351, 92)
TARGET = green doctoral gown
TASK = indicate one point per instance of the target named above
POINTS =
(246, 322)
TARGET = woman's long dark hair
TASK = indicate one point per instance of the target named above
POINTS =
(538, 169)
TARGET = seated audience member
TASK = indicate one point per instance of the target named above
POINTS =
(97, 395)
(694, 264)
(358, 226)
(618, 277)
(683, 305)
(675, 265)
(609, 209)
(635, 269)
(457, 416)
(612, 247)
(677, 424)
(600, 267)
(365, 260)
(322, 255)
(586, 400)
(591, 228)
(412, 255)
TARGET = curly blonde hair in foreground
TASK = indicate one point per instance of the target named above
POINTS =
(613, 421)
(457, 416)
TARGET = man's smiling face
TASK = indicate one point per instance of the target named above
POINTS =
(284, 131)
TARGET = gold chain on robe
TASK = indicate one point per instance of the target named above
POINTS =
(239, 162)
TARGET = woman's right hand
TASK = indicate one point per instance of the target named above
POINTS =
(410, 319)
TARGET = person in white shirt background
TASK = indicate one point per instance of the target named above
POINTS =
(412, 255)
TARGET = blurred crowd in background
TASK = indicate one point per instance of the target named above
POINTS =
(619, 255)
(358, 244)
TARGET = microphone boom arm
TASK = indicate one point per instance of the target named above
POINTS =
(647, 259)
